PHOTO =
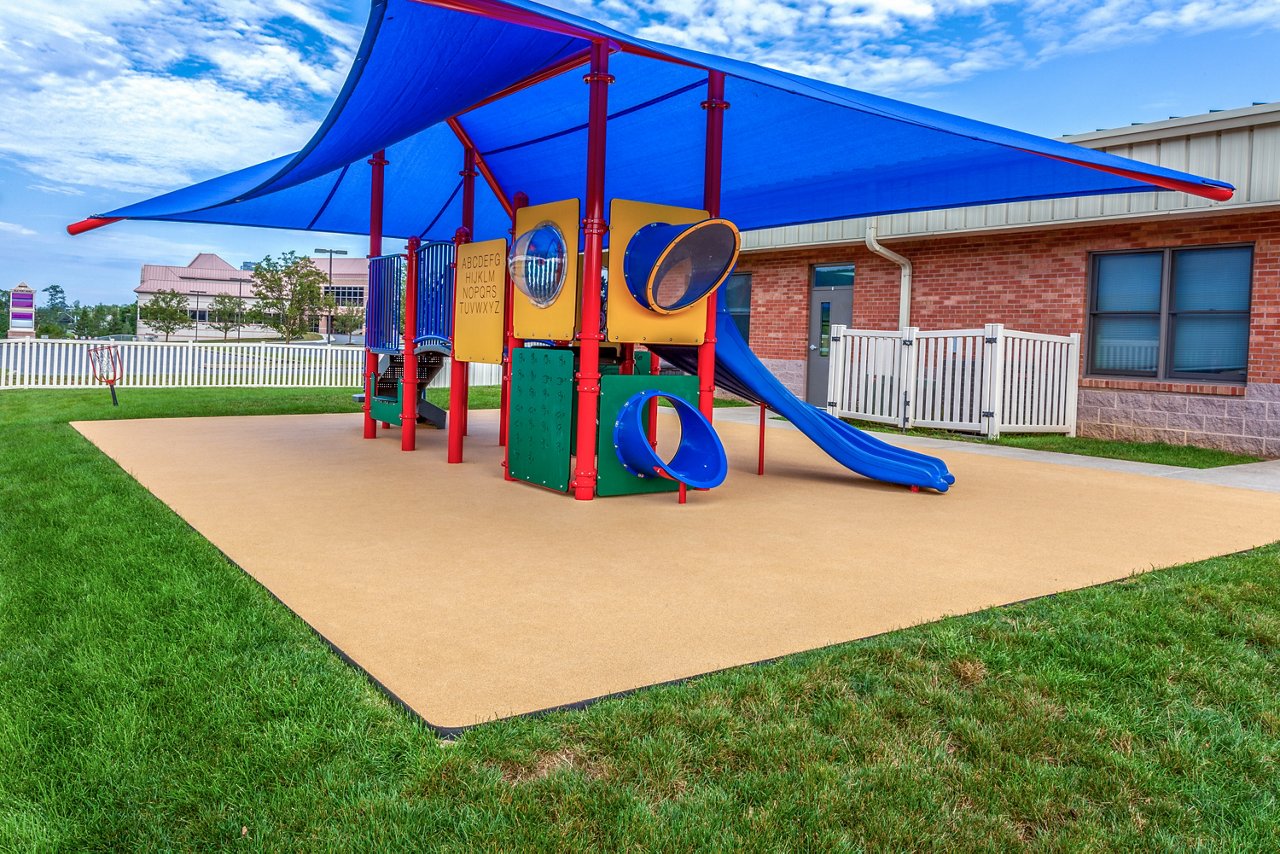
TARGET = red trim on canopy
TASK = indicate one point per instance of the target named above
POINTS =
(91, 223)
(1207, 191)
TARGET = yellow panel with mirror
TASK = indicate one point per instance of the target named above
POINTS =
(546, 302)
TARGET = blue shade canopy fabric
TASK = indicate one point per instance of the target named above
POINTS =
(795, 150)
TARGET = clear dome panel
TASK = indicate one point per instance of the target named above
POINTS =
(539, 259)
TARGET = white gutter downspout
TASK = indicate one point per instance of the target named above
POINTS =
(904, 289)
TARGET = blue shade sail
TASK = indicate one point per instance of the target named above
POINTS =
(1212, 279)
(795, 150)
(1125, 344)
(1210, 344)
(1129, 282)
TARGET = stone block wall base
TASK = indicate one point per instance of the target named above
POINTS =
(1249, 425)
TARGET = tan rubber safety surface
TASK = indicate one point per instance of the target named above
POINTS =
(472, 598)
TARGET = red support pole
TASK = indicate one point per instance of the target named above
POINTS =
(379, 163)
(409, 377)
(458, 368)
(628, 366)
(763, 415)
(468, 173)
(715, 105)
(593, 229)
(655, 368)
(519, 201)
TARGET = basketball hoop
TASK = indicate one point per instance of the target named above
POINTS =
(105, 361)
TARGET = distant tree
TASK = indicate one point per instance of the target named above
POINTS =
(91, 321)
(55, 298)
(166, 312)
(226, 314)
(290, 295)
(4, 313)
(347, 319)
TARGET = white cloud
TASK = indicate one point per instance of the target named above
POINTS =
(900, 47)
(56, 189)
(14, 228)
(143, 95)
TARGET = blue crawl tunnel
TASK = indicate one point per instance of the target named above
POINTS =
(699, 461)
(670, 267)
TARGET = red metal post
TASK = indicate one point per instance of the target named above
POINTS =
(763, 415)
(457, 422)
(655, 368)
(457, 367)
(468, 174)
(593, 229)
(379, 163)
(409, 377)
(715, 105)
(628, 366)
(511, 342)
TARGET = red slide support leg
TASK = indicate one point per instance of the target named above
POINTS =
(763, 414)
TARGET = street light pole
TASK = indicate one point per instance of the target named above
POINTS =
(197, 318)
(331, 252)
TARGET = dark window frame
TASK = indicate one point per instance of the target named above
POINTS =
(746, 333)
(814, 268)
(1165, 347)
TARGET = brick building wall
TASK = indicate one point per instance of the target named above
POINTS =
(1036, 280)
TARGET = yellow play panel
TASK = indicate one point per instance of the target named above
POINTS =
(471, 598)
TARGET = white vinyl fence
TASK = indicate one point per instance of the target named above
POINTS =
(986, 381)
(40, 363)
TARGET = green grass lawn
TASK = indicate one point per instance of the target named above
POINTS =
(156, 698)
(1187, 456)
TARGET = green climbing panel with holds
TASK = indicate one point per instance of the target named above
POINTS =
(613, 479)
(541, 416)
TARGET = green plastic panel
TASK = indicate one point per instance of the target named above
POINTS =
(541, 416)
(386, 410)
(643, 360)
(613, 479)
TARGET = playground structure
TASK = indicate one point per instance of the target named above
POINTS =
(655, 287)
(585, 290)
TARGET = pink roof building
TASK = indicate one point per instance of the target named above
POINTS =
(208, 275)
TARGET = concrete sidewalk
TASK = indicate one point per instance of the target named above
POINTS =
(1263, 477)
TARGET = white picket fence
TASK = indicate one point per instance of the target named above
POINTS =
(986, 381)
(40, 363)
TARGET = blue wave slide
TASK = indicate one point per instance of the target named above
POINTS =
(739, 372)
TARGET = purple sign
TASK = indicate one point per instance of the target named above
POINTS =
(23, 300)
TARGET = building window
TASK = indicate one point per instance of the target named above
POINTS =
(737, 301)
(1171, 313)
(833, 276)
(346, 295)
(201, 316)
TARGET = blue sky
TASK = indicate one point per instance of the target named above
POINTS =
(103, 102)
